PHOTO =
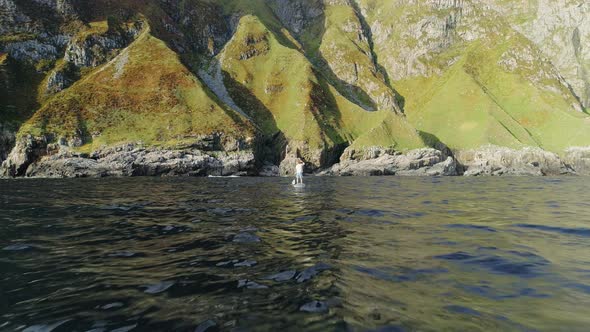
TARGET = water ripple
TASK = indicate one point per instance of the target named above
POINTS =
(343, 254)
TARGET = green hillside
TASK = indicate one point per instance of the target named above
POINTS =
(495, 87)
(144, 94)
(307, 77)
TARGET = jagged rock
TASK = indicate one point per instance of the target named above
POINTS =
(94, 50)
(373, 152)
(494, 160)
(420, 162)
(26, 151)
(578, 159)
(559, 28)
(296, 14)
(60, 79)
(349, 61)
(32, 50)
(314, 158)
(35, 158)
(270, 171)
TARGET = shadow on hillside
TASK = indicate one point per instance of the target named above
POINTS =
(353, 93)
(359, 96)
(401, 100)
(273, 140)
(434, 142)
(18, 86)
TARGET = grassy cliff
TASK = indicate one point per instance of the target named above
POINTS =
(313, 76)
(470, 79)
(144, 94)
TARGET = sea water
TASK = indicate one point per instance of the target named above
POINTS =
(256, 254)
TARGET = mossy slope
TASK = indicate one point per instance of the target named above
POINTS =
(145, 94)
(475, 80)
(273, 80)
(465, 78)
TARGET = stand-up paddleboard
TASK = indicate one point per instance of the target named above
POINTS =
(298, 185)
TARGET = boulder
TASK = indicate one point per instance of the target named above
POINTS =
(420, 162)
(26, 150)
(578, 159)
(496, 161)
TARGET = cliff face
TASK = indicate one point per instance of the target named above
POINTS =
(561, 30)
(479, 72)
(281, 79)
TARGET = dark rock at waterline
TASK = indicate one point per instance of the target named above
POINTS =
(282, 276)
(30, 158)
(37, 157)
(315, 307)
(246, 237)
(270, 171)
(207, 326)
(311, 272)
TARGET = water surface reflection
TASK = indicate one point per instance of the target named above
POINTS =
(402, 254)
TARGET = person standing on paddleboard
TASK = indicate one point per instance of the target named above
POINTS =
(299, 171)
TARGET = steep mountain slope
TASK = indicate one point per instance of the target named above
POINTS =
(144, 94)
(469, 78)
(253, 69)
(561, 30)
(297, 78)
(268, 75)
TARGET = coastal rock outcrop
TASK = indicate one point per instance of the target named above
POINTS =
(578, 158)
(419, 162)
(26, 150)
(496, 161)
(131, 160)
(35, 157)
(302, 78)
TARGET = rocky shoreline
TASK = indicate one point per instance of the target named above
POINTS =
(35, 158)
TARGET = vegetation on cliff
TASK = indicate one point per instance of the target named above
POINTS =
(305, 77)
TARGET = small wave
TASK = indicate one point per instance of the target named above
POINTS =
(399, 275)
(462, 310)
(563, 230)
(521, 264)
(473, 227)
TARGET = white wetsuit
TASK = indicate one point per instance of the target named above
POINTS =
(299, 173)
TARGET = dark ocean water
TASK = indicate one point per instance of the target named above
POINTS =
(254, 254)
